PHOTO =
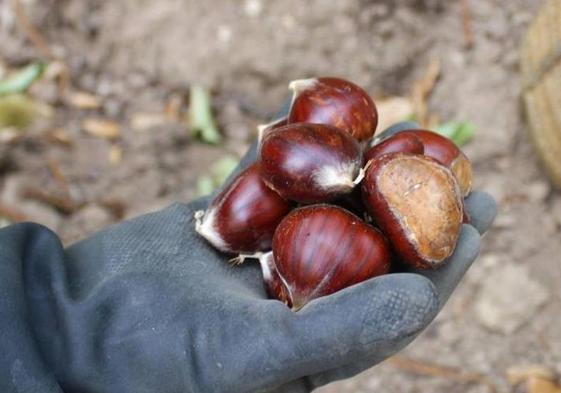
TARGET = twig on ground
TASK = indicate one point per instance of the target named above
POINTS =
(469, 37)
(421, 91)
(63, 204)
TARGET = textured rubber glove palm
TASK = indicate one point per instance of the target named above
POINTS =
(149, 306)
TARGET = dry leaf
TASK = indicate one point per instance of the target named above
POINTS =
(83, 100)
(145, 121)
(538, 378)
(393, 109)
(59, 135)
(538, 385)
(101, 128)
(115, 154)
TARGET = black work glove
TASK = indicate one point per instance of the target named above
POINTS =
(149, 306)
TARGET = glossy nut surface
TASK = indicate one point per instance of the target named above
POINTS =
(417, 203)
(322, 249)
(447, 153)
(310, 163)
(335, 102)
(403, 142)
(243, 217)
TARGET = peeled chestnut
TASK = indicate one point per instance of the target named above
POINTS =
(243, 217)
(310, 163)
(336, 102)
(447, 153)
(417, 204)
(321, 249)
(403, 142)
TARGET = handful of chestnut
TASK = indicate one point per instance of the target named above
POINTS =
(326, 206)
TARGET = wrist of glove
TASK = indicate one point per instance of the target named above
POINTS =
(149, 306)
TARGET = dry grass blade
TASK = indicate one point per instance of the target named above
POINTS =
(469, 37)
(538, 378)
(421, 91)
(435, 370)
(32, 32)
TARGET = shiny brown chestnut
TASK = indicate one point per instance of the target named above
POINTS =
(243, 217)
(447, 153)
(321, 249)
(417, 204)
(336, 102)
(402, 142)
(310, 163)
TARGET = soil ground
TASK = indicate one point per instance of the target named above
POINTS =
(140, 57)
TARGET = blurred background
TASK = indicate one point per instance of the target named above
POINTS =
(110, 109)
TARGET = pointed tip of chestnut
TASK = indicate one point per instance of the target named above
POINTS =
(299, 85)
(417, 203)
(264, 129)
(336, 102)
(205, 225)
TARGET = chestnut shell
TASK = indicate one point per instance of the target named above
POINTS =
(310, 163)
(336, 102)
(242, 218)
(447, 153)
(322, 249)
(417, 203)
(403, 142)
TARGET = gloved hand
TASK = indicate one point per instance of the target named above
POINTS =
(148, 306)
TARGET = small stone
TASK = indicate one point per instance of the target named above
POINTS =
(253, 8)
(509, 298)
(538, 191)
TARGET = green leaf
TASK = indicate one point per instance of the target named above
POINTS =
(219, 172)
(201, 121)
(17, 111)
(460, 132)
(20, 81)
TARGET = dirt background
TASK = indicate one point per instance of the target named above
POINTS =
(139, 57)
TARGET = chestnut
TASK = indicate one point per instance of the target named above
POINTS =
(336, 102)
(273, 283)
(417, 204)
(310, 163)
(243, 217)
(447, 153)
(403, 142)
(321, 249)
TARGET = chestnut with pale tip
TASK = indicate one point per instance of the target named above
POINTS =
(447, 153)
(417, 203)
(403, 142)
(264, 129)
(310, 163)
(321, 249)
(243, 217)
(336, 102)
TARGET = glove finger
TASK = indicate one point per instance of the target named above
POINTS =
(446, 278)
(482, 210)
(367, 320)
